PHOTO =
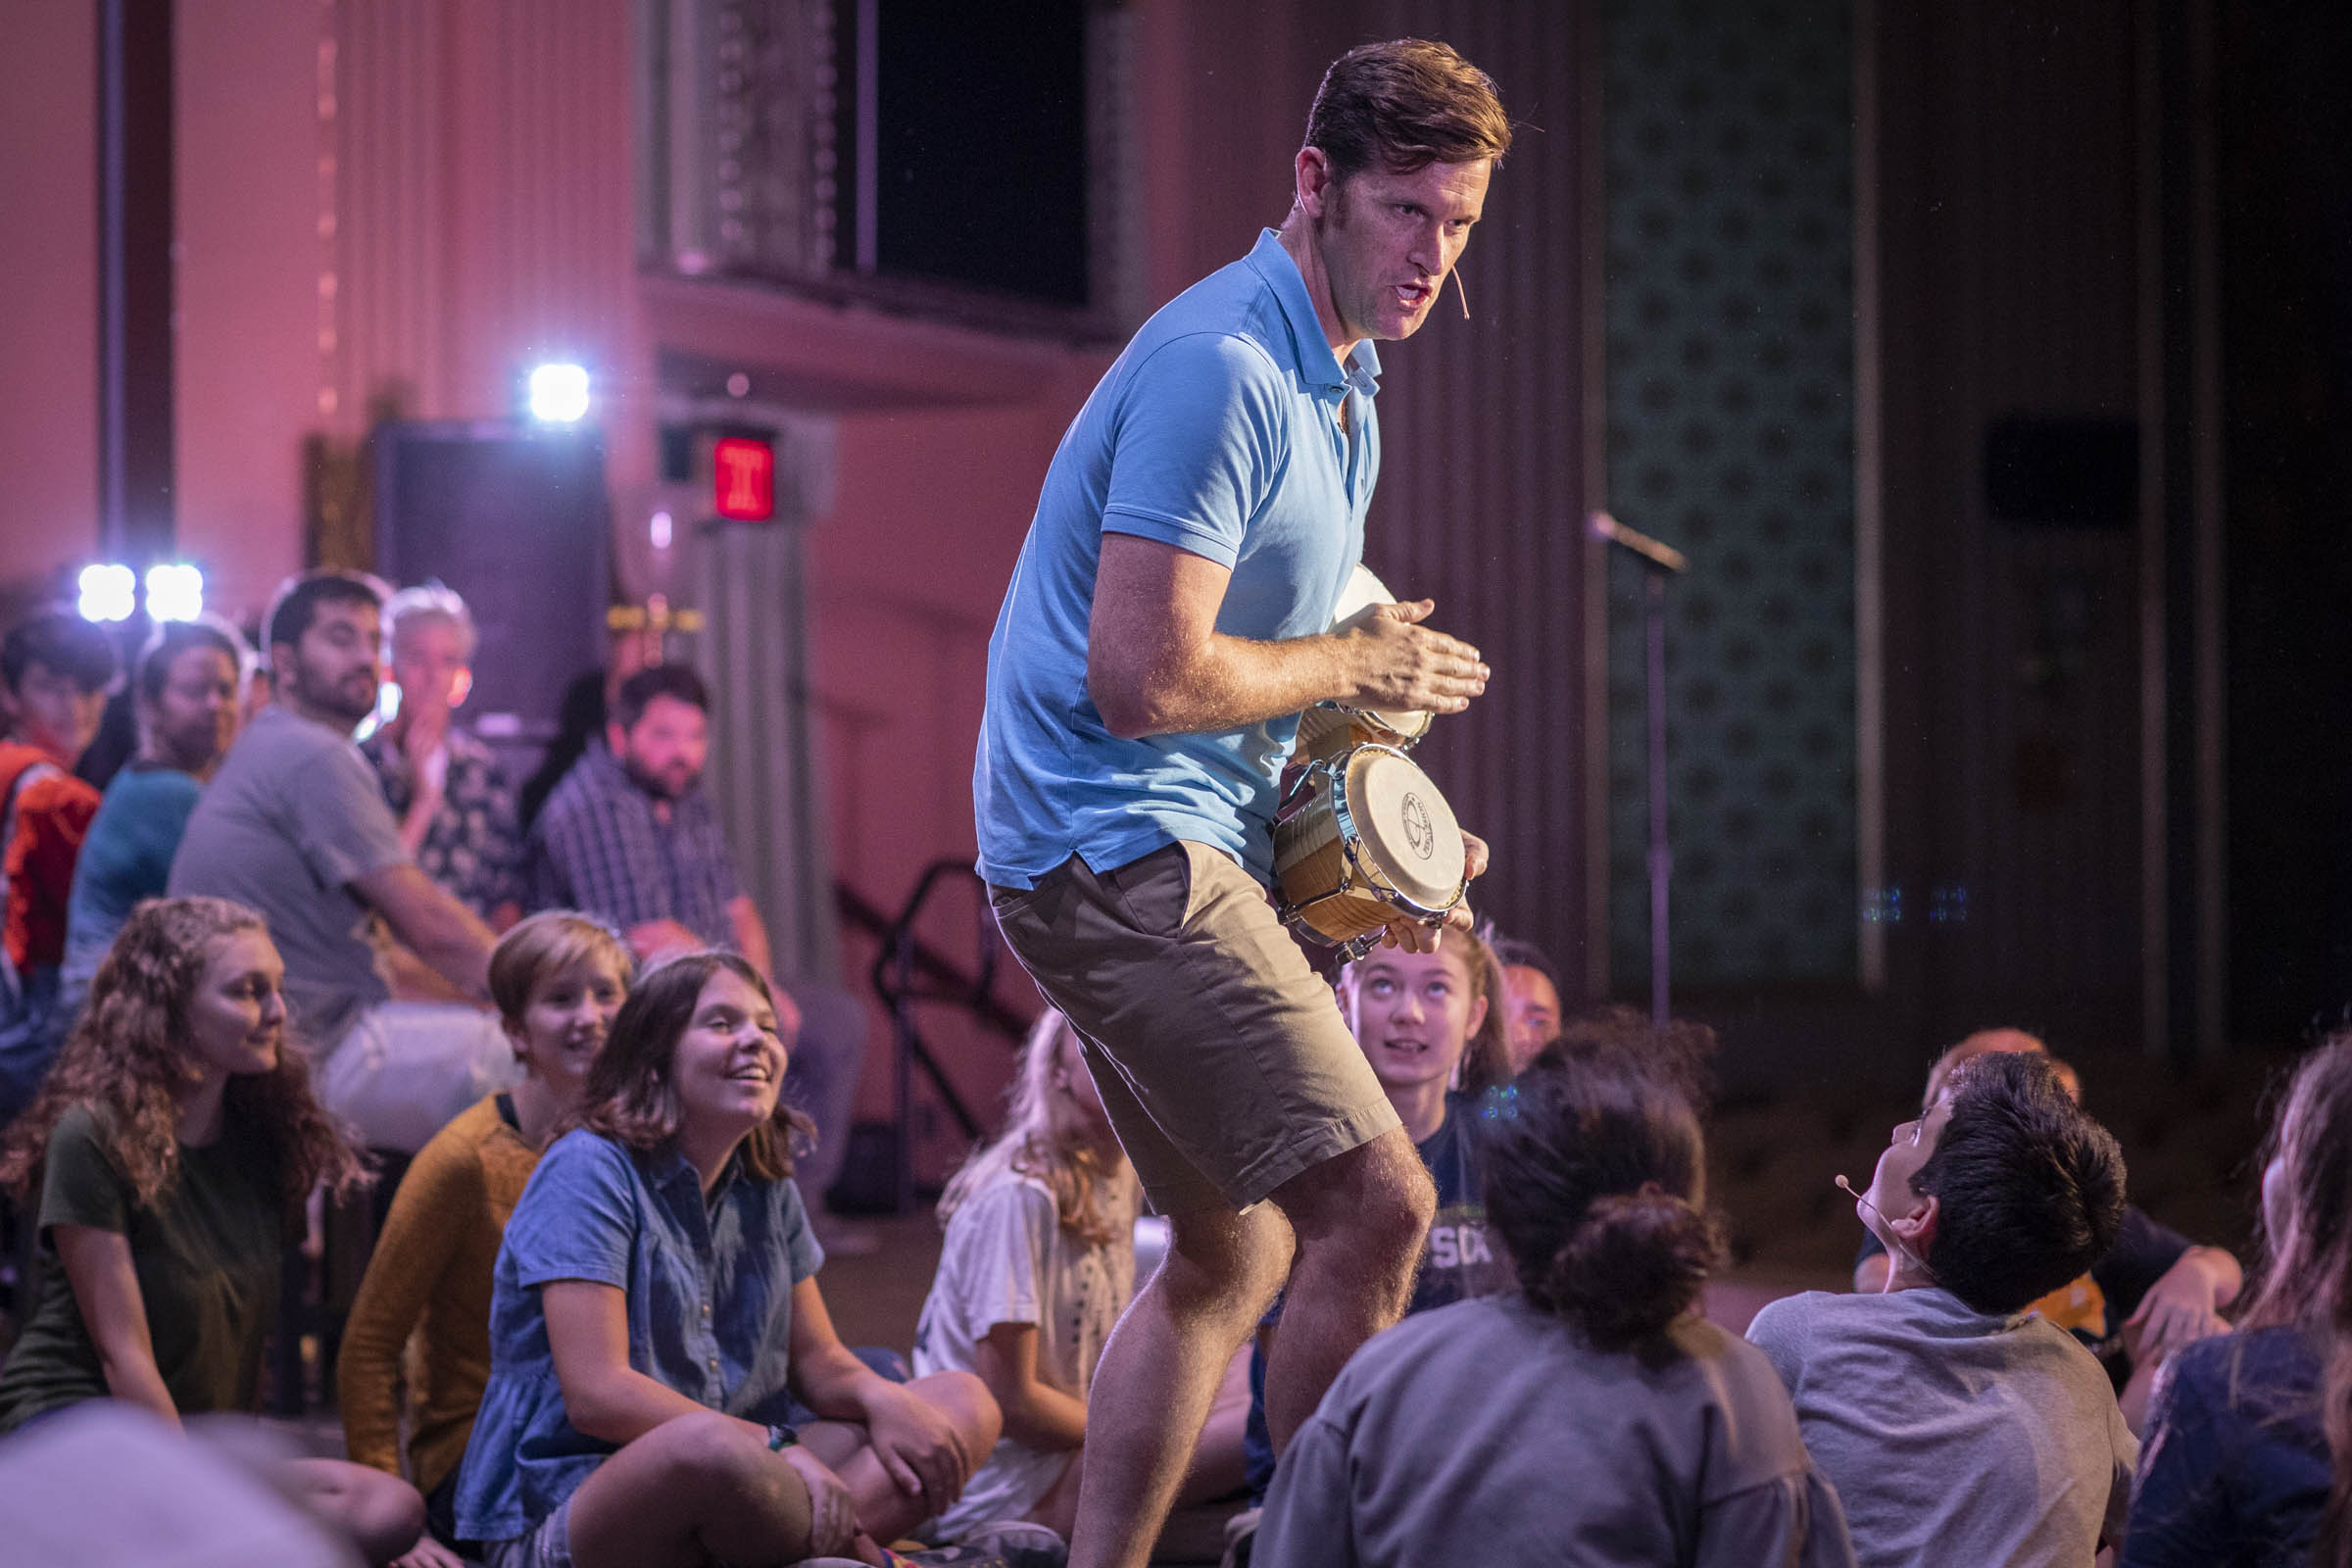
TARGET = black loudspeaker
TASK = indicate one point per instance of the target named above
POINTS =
(515, 518)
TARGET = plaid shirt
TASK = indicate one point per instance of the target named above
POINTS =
(472, 849)
(599, 848)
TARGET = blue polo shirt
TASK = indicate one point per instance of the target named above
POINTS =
(1216, 431)
(709, 1287)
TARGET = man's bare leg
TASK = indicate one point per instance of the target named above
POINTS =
(1360, 1221)
(1159, 1372)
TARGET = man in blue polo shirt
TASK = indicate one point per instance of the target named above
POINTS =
(1165, 625)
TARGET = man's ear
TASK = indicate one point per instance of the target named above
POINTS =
(1917, 1228)
(461, 687)
(616, 739)
(1312, 170)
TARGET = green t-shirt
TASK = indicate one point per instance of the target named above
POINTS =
(205, 1252)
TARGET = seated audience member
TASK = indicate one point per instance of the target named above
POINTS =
(558, 979)
(630, 837)
(1532, 985)
(657, 1313)
(172, 1148)
(448, 793)
(1959, 1426)
(55, 670)
(295, 826)
(581, 714)
(1590, 1416)
(2153, 1293)
(186, 688)
(1430, 1025)
(1038, 1264)
(2247, 1459)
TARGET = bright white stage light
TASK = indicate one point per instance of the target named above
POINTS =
(108, 592)
(559, 393)
(174, 592)
(659, 530)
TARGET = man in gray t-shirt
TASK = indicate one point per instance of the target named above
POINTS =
(1960, 1429)
(295, 827)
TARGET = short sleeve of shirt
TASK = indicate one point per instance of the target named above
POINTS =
(342, 826)
(801, 1253)
(2142, 1252)
(1778, 1331)
(578, 1218)
(79, 1183)
(1308, 1518)
(1008, 1234)
(1199, 445)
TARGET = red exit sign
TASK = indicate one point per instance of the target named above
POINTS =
(742, 473)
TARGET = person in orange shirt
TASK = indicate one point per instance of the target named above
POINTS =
(55, 670)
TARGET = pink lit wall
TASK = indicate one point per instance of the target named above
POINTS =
(49, 309)
(247, 366)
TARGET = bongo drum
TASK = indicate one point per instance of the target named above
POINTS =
(1328, 729)
(1363, 837)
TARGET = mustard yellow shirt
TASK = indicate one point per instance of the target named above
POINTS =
(430, 1280)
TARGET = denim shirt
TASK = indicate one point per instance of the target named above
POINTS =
(710, 1310)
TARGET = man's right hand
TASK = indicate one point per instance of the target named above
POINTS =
(1400, 664)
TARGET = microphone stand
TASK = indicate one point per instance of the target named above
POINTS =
(1659, 562)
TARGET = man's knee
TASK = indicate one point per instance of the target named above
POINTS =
(1223, 1264)
(1374, 1203)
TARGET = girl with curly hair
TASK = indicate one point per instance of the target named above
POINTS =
(656, 1317)
(170, 1149)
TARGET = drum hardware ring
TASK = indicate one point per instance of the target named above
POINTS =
(1356, 877)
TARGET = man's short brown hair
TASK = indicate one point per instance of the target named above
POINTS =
(1400, 106)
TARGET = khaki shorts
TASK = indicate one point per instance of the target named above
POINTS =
(1221, 1058)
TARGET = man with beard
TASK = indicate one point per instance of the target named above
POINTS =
(628, 835)
(295, 827)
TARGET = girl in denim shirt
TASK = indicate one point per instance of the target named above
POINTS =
(655, 1315)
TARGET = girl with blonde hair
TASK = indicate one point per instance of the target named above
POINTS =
(1038, 1264)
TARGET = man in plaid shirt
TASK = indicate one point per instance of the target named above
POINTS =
(628, 835)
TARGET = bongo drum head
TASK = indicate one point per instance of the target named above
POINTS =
(1404, 827)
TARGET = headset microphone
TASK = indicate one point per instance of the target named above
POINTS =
(1848, 1189)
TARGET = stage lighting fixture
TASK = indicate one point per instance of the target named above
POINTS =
(108, 592)
(559, 394)
(660, 529)
(174, 592)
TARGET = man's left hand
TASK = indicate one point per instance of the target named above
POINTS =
(1414, 937)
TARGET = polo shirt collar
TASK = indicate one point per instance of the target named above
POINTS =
(1310, 350)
